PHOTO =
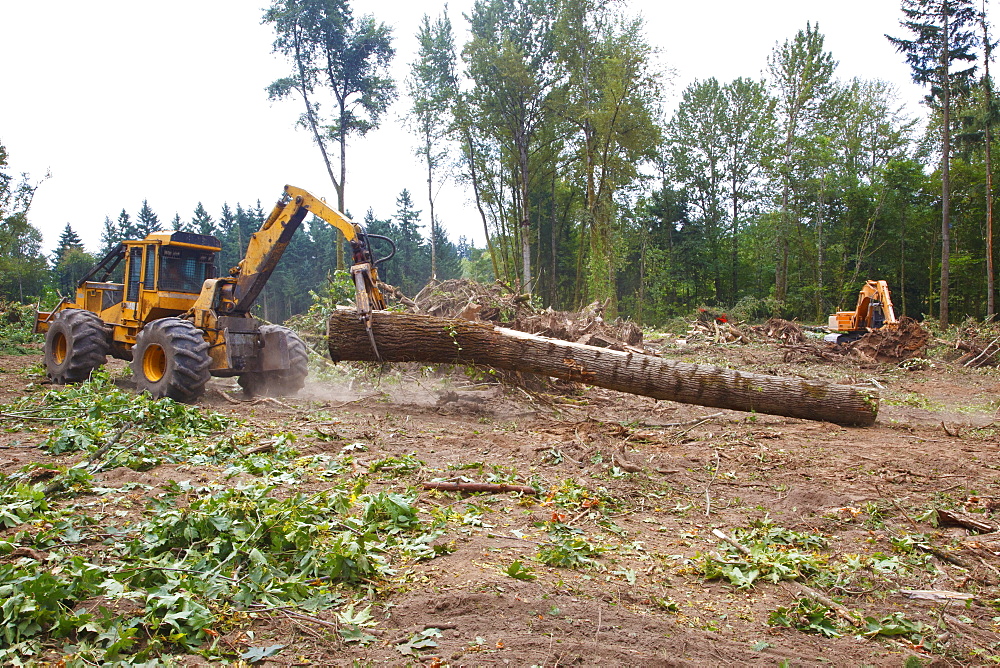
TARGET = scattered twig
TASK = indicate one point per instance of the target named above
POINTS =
(578, 516)
(682, 423)
(16, 416)
(699, 422)
(100, 452)
(305, 629)
(310, 618)
(841, 610)
(228, 398)
(175, 570)
(944, 556)
(492, 488)
(909, 519)
(526, 540)
(708, 487)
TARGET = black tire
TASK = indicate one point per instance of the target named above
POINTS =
(75, 345)
(170, 359)
(285, 382)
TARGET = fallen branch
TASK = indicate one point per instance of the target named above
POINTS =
(951, 518)
(936, 595)
(488, 487)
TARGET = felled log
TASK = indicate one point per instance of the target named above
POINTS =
(403, 337)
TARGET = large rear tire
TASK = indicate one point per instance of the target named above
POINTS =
(170, 359)
(284, 382)
(75, 345)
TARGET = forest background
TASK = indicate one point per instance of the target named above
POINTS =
(778, 195)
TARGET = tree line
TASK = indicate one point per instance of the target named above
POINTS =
(784, 193)
(781, 194)
(27, 273)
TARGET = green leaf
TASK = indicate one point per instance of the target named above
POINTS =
(519, 571)
(258, 654)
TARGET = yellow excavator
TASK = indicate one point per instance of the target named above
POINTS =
(873, 311)
(180, 324)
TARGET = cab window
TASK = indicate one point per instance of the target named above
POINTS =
(185, 269)
(134, 273)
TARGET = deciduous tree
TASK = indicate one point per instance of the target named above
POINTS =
(433, 89)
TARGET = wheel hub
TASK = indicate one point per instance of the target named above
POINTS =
(60, 348)
(154, 363)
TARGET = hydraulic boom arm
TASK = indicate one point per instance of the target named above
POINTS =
(268, 244)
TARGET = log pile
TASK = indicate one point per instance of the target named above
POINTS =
(498, 304)
(403, 337)
(714, 328)
(980, 343)
(783, 330)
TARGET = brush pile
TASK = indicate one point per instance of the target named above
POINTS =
(498, 304)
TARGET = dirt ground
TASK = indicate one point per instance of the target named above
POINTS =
(657, 478)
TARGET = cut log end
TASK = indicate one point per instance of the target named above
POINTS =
(403, 337)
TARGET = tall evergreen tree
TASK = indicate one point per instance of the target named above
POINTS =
(69, 239)
(109, 236)
(412, 257)
(146, 222)
(70, 262)
(942, 36)
(180, 225)
(989, 116)
(201, 221)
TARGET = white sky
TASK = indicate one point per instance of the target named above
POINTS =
(124, 100)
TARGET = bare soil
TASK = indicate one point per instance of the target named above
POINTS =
(666, 475)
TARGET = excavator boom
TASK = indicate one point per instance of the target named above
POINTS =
(268, 244)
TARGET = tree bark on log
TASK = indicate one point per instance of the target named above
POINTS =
(404, 337)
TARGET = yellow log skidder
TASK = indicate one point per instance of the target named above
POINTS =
(180, 324)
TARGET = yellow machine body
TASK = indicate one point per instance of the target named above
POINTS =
(172, 274)
(873, 311)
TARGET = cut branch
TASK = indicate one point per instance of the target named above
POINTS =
(493, 488)
(403, 337)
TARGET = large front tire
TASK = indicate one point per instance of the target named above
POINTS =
(75, 345)
(170, 359)
(283, 382)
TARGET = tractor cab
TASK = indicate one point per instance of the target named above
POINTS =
(160, 276)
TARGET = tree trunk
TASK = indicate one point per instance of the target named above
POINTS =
(479, 201)
(430, 201)
(945, 180)
(990, 275)
(418, 338)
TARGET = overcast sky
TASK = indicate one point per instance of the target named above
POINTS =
(123, 100)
